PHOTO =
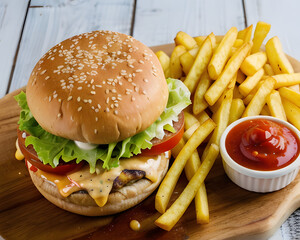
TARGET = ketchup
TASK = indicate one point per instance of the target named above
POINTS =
(262, 144)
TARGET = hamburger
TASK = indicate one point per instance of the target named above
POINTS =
(97, 122)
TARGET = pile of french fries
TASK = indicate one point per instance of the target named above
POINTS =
(230, 77)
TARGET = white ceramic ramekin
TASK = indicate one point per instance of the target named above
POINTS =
(255, 180)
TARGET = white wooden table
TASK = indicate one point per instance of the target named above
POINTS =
(28, 28)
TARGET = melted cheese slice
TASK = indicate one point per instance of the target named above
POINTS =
(99, 184)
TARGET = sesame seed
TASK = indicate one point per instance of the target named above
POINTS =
(114, 90)
(144, 92)
(107, 110)
(93, 92)
(132, 98)
(99, 106)
(138, 70)
(96, 118)
(145, 80)
(59, 115)
(79, 88)
(50, 98)
(95, 131)
(46, 78)
(79, 109)
(78, 99)
(116, 112)
(43, 72)
(90, 100)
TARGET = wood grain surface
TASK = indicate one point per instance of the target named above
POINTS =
(12, 17)
(234, 213)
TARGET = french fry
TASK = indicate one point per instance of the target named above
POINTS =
(221, 54)
(277, 58)
(187, 59)
(253, 63)
(202, 117)
(259, 99)
(189, 120)
(199, 103)
(175, 68)
(292, 112)
(245, 34)
(190, 169)
(290, 95)
(275, 105)
(261, 31)
(221, 119)
(236, 110)
(295, 88)
(236, 93)
(233, 51)
(232, 66)
(268, 69)
(185, 40)
(174, 213)
(176, 150)
(201, 61)
(238, 43)
(246, 87)
(265, 111)
(199, 40)
(194, 51)
(189, 132)
(240, 76)
(285, 80)
(168, 184)
(214, 108)
(164, 60)
(248, 99)
(219, 38)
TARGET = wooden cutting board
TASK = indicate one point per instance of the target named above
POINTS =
(234, 213)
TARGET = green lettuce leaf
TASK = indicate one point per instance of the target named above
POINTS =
(50, 148)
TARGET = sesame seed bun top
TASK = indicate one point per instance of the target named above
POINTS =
(98, 87)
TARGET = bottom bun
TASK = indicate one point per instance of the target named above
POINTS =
(82, 203)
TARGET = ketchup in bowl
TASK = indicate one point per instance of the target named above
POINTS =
(262, 144)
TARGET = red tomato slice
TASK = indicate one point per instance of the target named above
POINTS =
(169, 141)
(31, 156)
